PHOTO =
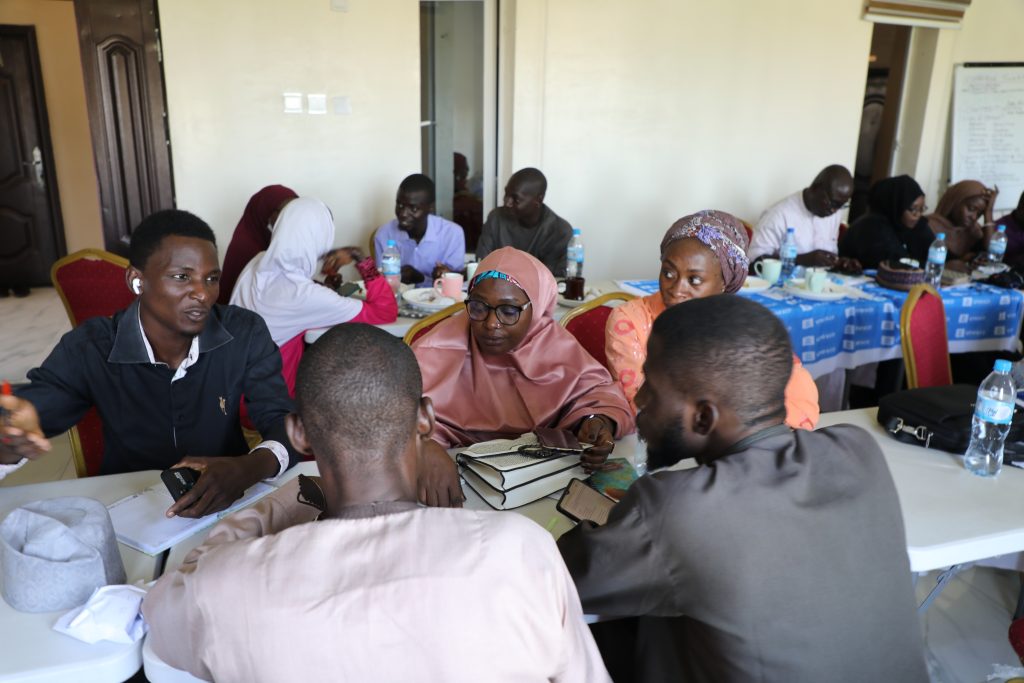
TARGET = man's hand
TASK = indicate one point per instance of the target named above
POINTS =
(222, 481)
(342, 256)
(438, 481)
(411, 276)
(439, 270)
(819, 258)
(598, 430)
(848, 266)
(20, 434)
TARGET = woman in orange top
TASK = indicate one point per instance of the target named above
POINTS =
(701, 255)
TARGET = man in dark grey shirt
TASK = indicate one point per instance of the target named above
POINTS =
(780, 557)
(526, 223)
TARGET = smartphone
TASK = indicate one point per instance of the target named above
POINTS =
(348, 289)
(580, 502)
(179, 480)
(557, 439)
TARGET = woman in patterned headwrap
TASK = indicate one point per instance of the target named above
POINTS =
(701, 255)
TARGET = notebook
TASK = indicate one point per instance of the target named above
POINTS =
(140, 520)
(524, 493)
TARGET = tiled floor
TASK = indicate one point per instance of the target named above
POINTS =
(965, 628)
(29, 329)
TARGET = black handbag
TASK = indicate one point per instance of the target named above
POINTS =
(940, 417)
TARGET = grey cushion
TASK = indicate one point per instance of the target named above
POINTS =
(56, 552)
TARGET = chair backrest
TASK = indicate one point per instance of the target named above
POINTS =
(422, 327)
(87, 444)
(924, 339)
(91, 284)
(587, 322)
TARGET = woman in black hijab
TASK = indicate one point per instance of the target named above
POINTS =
(895, 227)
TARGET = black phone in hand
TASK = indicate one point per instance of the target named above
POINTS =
(179, 480)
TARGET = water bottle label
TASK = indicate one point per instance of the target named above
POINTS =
(789, 251)
(937, 256)
(997, 247)
(993, 411)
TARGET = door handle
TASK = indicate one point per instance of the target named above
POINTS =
(37, 166)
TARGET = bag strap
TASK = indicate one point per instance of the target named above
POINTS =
(896, 426)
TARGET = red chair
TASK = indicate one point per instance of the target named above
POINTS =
(924, 339)
(91, 283)
(427, 324)
(587, 323)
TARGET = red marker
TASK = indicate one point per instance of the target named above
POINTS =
(5, 390)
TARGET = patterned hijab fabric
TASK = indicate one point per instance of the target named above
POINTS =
(723, 234)
(494, 275)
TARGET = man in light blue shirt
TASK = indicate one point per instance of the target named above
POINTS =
(429, 245)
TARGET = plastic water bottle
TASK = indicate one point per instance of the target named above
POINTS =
(574, 255)
(788, 254)
(993, 413)
(936, 261)
(997, 245)
(391, 265)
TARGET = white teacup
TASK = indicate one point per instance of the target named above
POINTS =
(471, 271)
(770, 269)
(449, 285)
(816, 279)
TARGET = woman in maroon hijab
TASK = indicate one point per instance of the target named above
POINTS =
(252, 234)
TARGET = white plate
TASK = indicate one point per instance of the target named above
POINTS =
(982, 272)
(426, 299)
(831, 292)
(754, 283)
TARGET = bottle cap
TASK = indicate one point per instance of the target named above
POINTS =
(1001, 228)
(575, 231)
(790, 229)
(941, 236)
(391, 243)
(1003, 365)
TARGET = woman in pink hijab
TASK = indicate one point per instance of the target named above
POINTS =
(504, 367)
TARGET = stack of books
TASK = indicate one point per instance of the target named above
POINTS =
(506, 478)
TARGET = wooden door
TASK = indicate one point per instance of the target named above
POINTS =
(31, 232)
(121, 62)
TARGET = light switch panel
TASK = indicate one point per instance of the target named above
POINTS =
(292, 102)
(342, 105)
(316, 103)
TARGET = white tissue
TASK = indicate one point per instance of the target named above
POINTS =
(112, 613)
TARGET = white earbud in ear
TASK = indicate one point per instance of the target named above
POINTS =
(137, 285)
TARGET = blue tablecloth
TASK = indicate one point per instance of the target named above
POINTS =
(849, 332)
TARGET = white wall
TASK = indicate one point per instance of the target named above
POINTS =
(641, 112)
(226, 64)
(991, 32)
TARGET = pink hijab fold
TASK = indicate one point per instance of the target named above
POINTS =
(549, 380)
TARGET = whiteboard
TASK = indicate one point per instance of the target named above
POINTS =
(988, 129)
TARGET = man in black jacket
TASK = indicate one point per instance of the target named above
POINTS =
(166, 374)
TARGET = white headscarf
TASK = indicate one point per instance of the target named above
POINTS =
(278, 283)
